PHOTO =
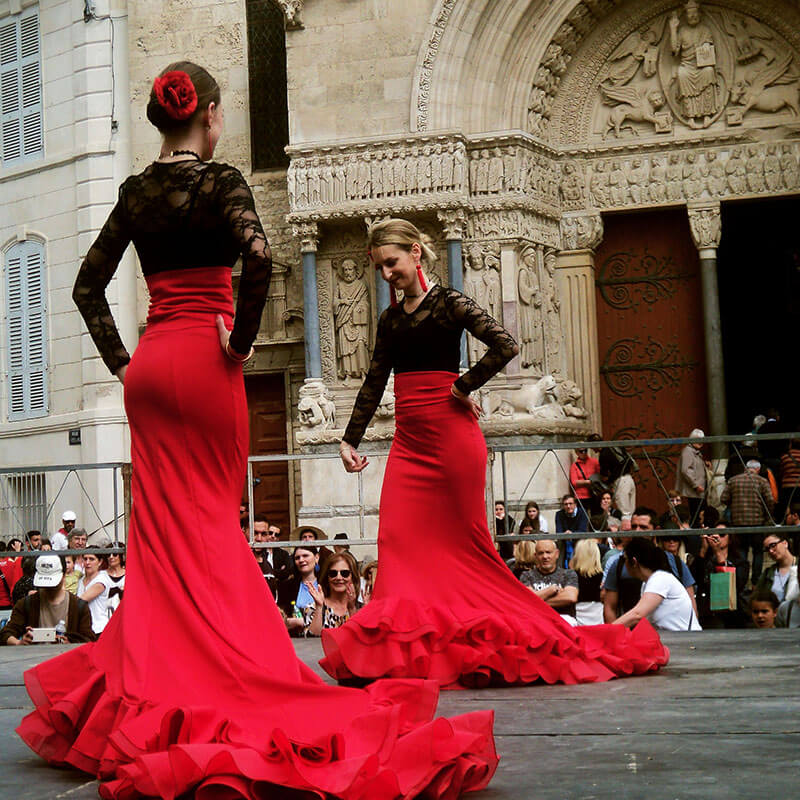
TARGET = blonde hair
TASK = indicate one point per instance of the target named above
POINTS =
(586, 560)
(403, 234)
(524, 553)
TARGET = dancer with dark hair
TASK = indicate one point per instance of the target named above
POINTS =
(424, 620)
(194, 688)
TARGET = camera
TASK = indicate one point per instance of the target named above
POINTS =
(40, 635)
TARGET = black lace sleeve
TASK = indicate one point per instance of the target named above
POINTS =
(464, 311)
(89, 291)
(237, 206)
(373, 387)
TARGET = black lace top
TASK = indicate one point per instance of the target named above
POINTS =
(429, 338)
(179, 215)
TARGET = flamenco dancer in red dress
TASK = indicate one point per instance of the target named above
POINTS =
(484, 627)
(194, 687)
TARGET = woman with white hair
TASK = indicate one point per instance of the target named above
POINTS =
(690, 481)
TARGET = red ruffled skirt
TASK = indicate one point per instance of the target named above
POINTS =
(194, 686)
(445, 606)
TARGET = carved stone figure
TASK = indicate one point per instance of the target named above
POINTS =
(658, 181)
(482, 173)
(352, 183)
(482, 284)
(292, 11)
(553, 334)
(630, 103)
(599, 184)
(458, 169)
(715, 180)
(364, 177)
(638, 179)
(736, 170)
(436, 169)
(692, 177)
(385, 409)
(569, 395)
(424, 171)
(529, 399)
(511, 183)
(571, 184)
(618, 184)
(530, 298)
(495, 178)
(674, 177)
(315, 409)
(387, 174)
(768, 89)
(376, 175)
(448, 163)
(697, 80)
(706, 226)
(755, 169)
(351, 311)
(790, 172)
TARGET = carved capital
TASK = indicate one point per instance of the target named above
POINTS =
(454, 221)
(308, 234)
(706, 224)
(581, 233)
(292, 12)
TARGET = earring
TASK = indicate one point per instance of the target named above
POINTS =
(422, 282)
(210, 146)
(392, 296)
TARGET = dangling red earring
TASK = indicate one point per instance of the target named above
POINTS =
(392, 296)
(210, 146)
(421, 277)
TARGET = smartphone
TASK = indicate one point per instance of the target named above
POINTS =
(43, 635)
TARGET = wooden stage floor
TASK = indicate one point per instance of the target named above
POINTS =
(721, 721)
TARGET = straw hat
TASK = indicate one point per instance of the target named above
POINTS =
(319, 534)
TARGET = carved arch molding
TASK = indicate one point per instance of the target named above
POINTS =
(604, 70)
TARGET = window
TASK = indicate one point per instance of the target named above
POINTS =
(21, 88)
(23, 503)
(26, 331)
(266, 63)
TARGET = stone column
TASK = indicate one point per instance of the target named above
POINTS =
(308, 233)
(453, 222)
(575, 272)
(706, 225)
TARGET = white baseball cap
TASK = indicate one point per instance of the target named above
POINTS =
(68, 516)
(48, 571)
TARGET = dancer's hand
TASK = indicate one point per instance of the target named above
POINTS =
(466, 401)
(120, 373)
(352, 461)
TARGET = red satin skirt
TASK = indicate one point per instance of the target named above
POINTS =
(445, 606)
(194, 686)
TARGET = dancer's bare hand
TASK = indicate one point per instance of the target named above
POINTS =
(466, 401)
(120, 373)
(224, 333)
(352, 461)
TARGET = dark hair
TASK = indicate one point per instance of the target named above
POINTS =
(537, 524)
(260, 518)
(646, 554)
(121, 555)
(12, 540)
(599, 522)
(765, 596)
(352, 565)
(312, 550)
(567, 496)
(710, 516)
(644, 511)
(682, 513)
(32, 533)
(101, 557)
(528, 524)
(500, 503)
(205, 86)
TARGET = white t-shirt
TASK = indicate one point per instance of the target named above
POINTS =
(58, 541)
(99, 606)
(675, 612)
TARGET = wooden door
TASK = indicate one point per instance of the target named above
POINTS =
(266, 401)
(650, 335)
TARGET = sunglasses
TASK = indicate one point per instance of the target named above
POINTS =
(345, 573)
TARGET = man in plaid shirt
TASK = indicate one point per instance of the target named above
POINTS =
(750, 500)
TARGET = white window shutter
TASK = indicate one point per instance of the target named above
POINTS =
(26, 316)
(21, 88)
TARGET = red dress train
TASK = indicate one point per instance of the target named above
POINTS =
(194, 685)
(445, 605)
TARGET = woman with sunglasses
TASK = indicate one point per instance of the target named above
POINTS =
(335, 598)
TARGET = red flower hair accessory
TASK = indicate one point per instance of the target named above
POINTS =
(175, 92)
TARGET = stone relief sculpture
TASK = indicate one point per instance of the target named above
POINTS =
(482, 284)
(351, 313)
(315, 409)
(553, 334)
(530, 317)
(546, 399)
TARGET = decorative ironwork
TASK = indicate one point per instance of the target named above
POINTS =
(630, 366)
(266, 63)
(628, 279)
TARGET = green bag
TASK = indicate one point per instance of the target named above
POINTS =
(723, 590)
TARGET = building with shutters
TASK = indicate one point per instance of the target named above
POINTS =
(615, 179)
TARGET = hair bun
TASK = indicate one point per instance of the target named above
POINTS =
(176, 94)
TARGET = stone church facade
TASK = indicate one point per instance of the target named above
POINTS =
(516, 133)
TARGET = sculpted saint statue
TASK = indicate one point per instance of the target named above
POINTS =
(351, 318)
(552, 328)
(530, 297)
(693, 44)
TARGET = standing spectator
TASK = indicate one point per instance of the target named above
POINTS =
(781, 577)
(790, 479)
(503, 525)
(570, 519)
(772, 449)
(116, 573)
(94, 587)
(717, 550)
(587, 566)
(534, 516)
(664, 600)
(616, 470)
(690, 481)
(580, 471)
(275, 562)
(335, 597)
(763, 608)
(47, 606)
(749, 498)
(77, 541)
(60, 539)
(310, 533)
(558, 587)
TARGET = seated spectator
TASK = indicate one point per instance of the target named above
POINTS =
(788, 614)
(580, 472)
(604, 503)
(622, 590)
(77, 541)
(718, 549)
(672, 544)
(310, 533)
(533, 514)
(45, 545)
(335, 597)
(664, 600)
(504, 526)
(524, 556)
(781, 577)
(71, 577)
(617, 546)
(94, 587)
(587, 566)
(369, 574)
(570, 519)
(294, 596)
(558, 587)
(116, 573)
(24, 583)
(763, 608)
(49, 605)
